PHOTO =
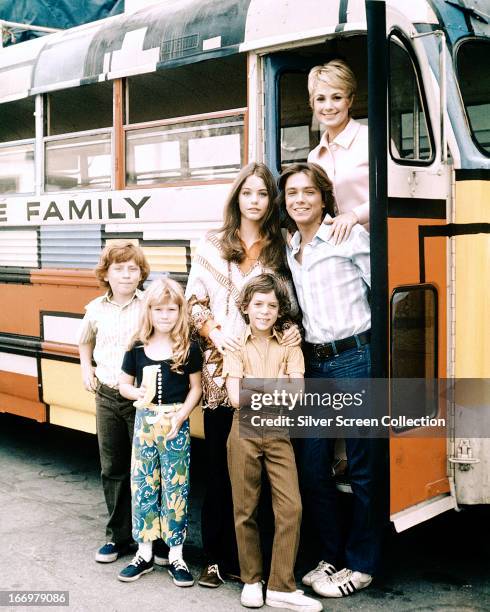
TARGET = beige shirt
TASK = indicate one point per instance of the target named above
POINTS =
(262, 358)
(346, 161)
(111, 326)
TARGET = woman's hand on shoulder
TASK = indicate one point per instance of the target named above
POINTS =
(223, 342)
(291, 336)
(341, 226)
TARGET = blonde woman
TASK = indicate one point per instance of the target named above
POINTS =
(161, 442)
(343, 149)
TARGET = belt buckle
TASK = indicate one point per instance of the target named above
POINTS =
(322, 351)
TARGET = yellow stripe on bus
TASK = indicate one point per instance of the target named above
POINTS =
(472, 282)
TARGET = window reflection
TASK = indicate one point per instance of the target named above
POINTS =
(83, 162)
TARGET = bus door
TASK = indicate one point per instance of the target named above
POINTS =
(418, 203)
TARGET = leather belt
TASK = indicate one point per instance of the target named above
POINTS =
(332, 349)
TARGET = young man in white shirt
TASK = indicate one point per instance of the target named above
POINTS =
(332, 284)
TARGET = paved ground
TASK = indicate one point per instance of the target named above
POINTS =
(52, 518)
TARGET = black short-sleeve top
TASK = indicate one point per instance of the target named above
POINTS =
(175, 386)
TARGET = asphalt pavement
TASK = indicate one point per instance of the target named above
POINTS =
(52, 516)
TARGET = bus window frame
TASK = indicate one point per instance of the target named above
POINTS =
(19, 143)
(80, 134)
(405, 44)
(134, 127)
(416, 287)
(456, 50)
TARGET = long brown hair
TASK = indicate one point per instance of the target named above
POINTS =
(164, 290)
(272, 254)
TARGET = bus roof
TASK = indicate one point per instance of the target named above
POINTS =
(177, 32)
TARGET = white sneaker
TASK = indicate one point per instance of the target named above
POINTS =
(292, 601)
(343, 583)
(252, 595)
(321, 570)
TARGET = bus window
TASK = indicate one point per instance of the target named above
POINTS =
(186, 124)
(298, 137)
(409, 133)
(17, 132)
(414, 350)
(474, 83)
(78, 141)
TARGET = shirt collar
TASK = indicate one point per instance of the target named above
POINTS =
(322, 233)
(107, 297)
(248, 334)
(346, 136)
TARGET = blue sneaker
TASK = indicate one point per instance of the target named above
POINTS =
(160, 552)
(110, 552)
(135, 569)
(180, 573)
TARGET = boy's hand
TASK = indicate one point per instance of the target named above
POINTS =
(223, 342)
(88, 379)
(291, 336)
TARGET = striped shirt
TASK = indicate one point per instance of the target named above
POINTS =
(332, 284)
(111, 326)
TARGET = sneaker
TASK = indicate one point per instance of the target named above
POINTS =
(210, 577)
(321, 570)
(110, 552)
(343, 583)
(135, 569)
(292, 601)
(180, 573)
(160, 553)
(252, 595)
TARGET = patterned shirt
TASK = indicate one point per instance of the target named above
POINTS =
(111, 326)
(332, 284)
(345, 160)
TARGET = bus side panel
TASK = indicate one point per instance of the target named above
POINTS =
(21, 304)
(418, 465)
(472, 282)
(19, 393)
(70, 405)
(473, 335)
(22, 384)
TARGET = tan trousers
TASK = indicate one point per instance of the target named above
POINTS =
(245, 457)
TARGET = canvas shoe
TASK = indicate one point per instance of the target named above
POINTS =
(321, 570)
(295, 600)
(180, 573)
(160, 553)
(210, 577)
(252, 595)
(110, 552)
(343, 583)
(136, 569)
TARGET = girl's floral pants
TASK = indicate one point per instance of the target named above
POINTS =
(159, 481)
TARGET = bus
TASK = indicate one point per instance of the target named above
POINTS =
(134, 127)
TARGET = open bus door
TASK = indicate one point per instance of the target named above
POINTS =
(410, 195)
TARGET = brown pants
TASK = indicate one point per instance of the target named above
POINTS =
(245, 457)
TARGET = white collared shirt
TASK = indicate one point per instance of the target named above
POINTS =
(332, 284)
(111, 326)
(346, 161)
